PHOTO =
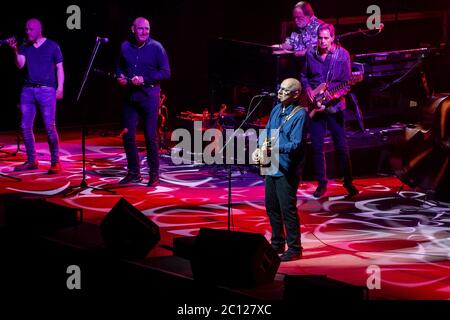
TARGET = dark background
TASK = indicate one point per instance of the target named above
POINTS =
(184, 28)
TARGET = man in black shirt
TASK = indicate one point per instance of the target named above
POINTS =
(144, 61)
(328, 64)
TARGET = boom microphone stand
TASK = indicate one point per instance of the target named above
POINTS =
(10, 177)
(249, 113)
(83, 184)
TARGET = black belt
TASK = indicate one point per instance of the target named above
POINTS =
(36, 85)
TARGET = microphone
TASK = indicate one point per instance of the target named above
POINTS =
(103, 40)
(266, 94)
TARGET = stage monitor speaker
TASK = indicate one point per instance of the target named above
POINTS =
(128, 232)
(38, 216)
(234, 259)
(183, 247)
(320, 288)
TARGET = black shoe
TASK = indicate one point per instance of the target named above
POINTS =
(55, 168)
(278, 249)
(131, 178)
(27, 166)
(320, 191)
(291, 255)
(153, 180)
(351, 189)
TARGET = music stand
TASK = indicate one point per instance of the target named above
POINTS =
(83, 184)
(249, 113)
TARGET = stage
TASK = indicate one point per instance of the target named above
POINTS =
(388, 230)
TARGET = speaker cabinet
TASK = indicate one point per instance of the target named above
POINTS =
(235, 259)
(321, 288)
(128, 232)
(38, 216)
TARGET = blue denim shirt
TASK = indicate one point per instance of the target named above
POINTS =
(290, 138)
(314, 72)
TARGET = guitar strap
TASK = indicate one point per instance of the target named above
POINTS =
(289, 116)
(334, 57)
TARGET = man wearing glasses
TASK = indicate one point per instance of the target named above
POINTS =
(306, 34)
(285, 137)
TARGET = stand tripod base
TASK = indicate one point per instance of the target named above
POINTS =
(10, 177)
(84, 186)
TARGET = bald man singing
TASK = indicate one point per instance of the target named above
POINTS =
(286, 131)
(144, 62)
(42, 62)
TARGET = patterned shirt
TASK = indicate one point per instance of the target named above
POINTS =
(306, 37)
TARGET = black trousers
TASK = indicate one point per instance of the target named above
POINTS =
(281, 207)
(334, 122)
(147, 109)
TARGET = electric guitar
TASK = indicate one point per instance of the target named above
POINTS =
(319, 92)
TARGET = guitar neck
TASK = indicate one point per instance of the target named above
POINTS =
(339, 87)
(355, 77)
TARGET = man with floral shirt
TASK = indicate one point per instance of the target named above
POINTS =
(306, 35)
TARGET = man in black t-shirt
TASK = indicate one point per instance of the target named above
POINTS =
(42, 62)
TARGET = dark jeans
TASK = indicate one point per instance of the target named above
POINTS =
(147, 109)
(43, 98)
(334, 122)
(281, 206)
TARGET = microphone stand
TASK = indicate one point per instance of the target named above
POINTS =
(83, 184)
(359, 31)
(249, 113)
(10, 177)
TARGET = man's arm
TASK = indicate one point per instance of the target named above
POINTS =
(60, 79)
(120, 67)
(164, 68)
(19, 59)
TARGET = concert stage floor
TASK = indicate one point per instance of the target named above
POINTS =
(386, 226)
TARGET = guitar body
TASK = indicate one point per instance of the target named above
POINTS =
(319, 97)
(319, 93)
